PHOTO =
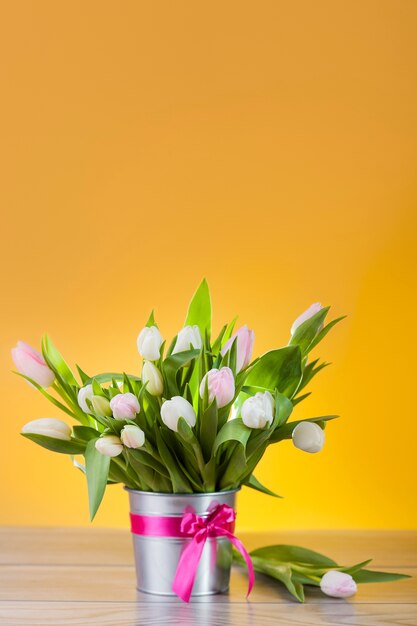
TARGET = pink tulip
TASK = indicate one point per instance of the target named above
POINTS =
(32, 364)
(338, 584)
(312, 310)
(245, 338)
(220, 384)
(125, 406)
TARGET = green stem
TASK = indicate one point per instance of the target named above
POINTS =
(125, 469)
(78, 412)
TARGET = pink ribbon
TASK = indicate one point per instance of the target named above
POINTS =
(219, 523)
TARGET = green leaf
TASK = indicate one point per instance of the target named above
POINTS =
(208, 429)
(97, 389)
(311, 370)
(282, 572)
(142, 457)
(233, 430)
(97, 470)
(324, 332)
(171, 367)
(185, 432)
(230, 358)
(229, 331)
(368, 576)
(300, 398)
(189, 470)
(85, 432)
(145, 473)
(118, 475)
(199, 310)
(51, 398)
(107, 377)
(352, 569)
(236, 467)
(83, 376)
(277, 369)
(283, 409)
(308, 330)
(180, 484)
(127, 383)
(218, 341)
(285, 553)
(56, 445)
(56, 362)
(151, 320)
(252, 461)
(254, 483)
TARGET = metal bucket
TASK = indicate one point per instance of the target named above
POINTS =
(157, 558)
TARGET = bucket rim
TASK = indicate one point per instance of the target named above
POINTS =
(161, 494)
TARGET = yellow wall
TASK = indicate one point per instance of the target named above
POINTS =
(270, 146)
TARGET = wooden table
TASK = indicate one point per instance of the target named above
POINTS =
(52, 577)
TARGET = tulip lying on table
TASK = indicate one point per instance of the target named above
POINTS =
(295, 567)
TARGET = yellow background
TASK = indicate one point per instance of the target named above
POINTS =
(269, 146)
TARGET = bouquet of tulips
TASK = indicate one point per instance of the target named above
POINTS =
(198, 419)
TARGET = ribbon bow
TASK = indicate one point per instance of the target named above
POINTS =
(220, 523)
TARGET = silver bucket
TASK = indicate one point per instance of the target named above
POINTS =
(157, 558)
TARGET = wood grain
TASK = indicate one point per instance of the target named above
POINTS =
(120, 614)
(54, 577)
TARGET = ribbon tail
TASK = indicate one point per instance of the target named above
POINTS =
(239, 546)
(187, 568)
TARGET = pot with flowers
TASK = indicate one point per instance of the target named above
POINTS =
(183, 438)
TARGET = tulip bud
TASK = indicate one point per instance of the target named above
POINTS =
(31, 363)
(109, 445)
(152, 378)
(338, 584)
(258, 411)
(188, 338)
(48, 426)
(308, 436)
(220, 385)
(84, 394)
(245, 339)
(132, 436)
(312, 310)
(101, 406)
(125, 406)
(149, 343)
(177, 407)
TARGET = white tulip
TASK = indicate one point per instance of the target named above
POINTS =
(177, 407)
(338, 584)
(48, 426)
(101, 406)
(132, 436)
(308, 436)
(188, 338)
(110, 445)
(84, 394)
(312, 310)
(152, 378)
(149, 343)
(258, 411)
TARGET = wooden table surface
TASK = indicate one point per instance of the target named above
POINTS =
(52, 577)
